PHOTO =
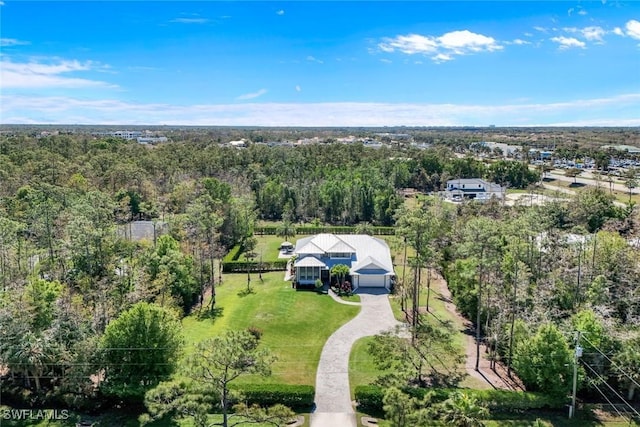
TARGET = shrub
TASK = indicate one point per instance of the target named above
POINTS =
(294, 396)
(369, 398)
(233, 254)
(255, 331)
(316, 229)
(254, 266)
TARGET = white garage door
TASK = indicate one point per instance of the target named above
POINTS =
(371, 281)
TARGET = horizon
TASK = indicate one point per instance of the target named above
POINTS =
(436, 64)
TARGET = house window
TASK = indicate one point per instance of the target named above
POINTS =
(340, 255)
(308, 273)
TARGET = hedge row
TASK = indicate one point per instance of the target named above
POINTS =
(233, 254)
(253, 266)
(369, 398)
(312, 229)
(294, 396)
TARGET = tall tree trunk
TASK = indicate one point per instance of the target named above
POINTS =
(513, 318)
(403, 298)
(428, 287)
(479, 310)
(225, 402)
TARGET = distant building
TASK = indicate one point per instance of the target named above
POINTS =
(151, 139)
(506, 149)
(536, 154)
(473, 188)
(628, 148)
(127, 134)
(241, 143)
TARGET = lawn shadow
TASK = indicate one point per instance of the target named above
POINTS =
(577, 185)
(445, 323)
(245, 292)
(210, 314)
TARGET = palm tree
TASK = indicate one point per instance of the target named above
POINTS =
(34, 357)
(340, 271)
(286, 229)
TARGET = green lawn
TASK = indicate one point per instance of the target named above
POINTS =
(295, 324)
(362, 370)
(268, 247)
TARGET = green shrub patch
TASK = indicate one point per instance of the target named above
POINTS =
(253, 266)
(233, 254)
(369, 398)
(312, 229)
(297, 397)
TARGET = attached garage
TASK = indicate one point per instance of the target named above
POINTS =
(371, 281)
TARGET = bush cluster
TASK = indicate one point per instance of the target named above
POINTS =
(370, 397)
(296, 397)
(233, 254)
(253, 266)
(312, 229)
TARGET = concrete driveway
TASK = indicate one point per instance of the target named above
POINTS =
(333, 394)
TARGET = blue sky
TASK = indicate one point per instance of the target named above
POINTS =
(304, 63)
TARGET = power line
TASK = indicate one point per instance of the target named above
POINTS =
(607, 399)
(612, 389)
(612, 362)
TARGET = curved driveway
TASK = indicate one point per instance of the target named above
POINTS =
(333, 396)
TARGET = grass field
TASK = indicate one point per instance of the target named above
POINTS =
(362, 370)
(268, 247)
(295, 324)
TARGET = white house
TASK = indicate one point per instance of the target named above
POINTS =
(368, 259)
(473, 188)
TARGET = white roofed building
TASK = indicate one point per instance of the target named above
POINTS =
(473, 188)
(368, 259)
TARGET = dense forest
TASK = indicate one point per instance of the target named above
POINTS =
(527, 276)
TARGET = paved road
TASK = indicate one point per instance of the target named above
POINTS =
(604, 183)
(567, 191)
(333, 394)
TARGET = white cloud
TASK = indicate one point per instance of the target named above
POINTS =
(12, 42)
(442, 48)
(520, 42)
(47, 75)
(386, 61)
(314, 59)
(463, 41)
(612, 111)
(570, 11)
(1, 3)
(540, 29)
(582, 12)
(618, 31)
(190, 20)
(568, 42)
(409, 44)
(252, 95)
(280, 12)
(594, 33)
(298, 88)
(633, 29)
(442, 57)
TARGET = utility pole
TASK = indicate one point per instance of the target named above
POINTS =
(576, 356)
